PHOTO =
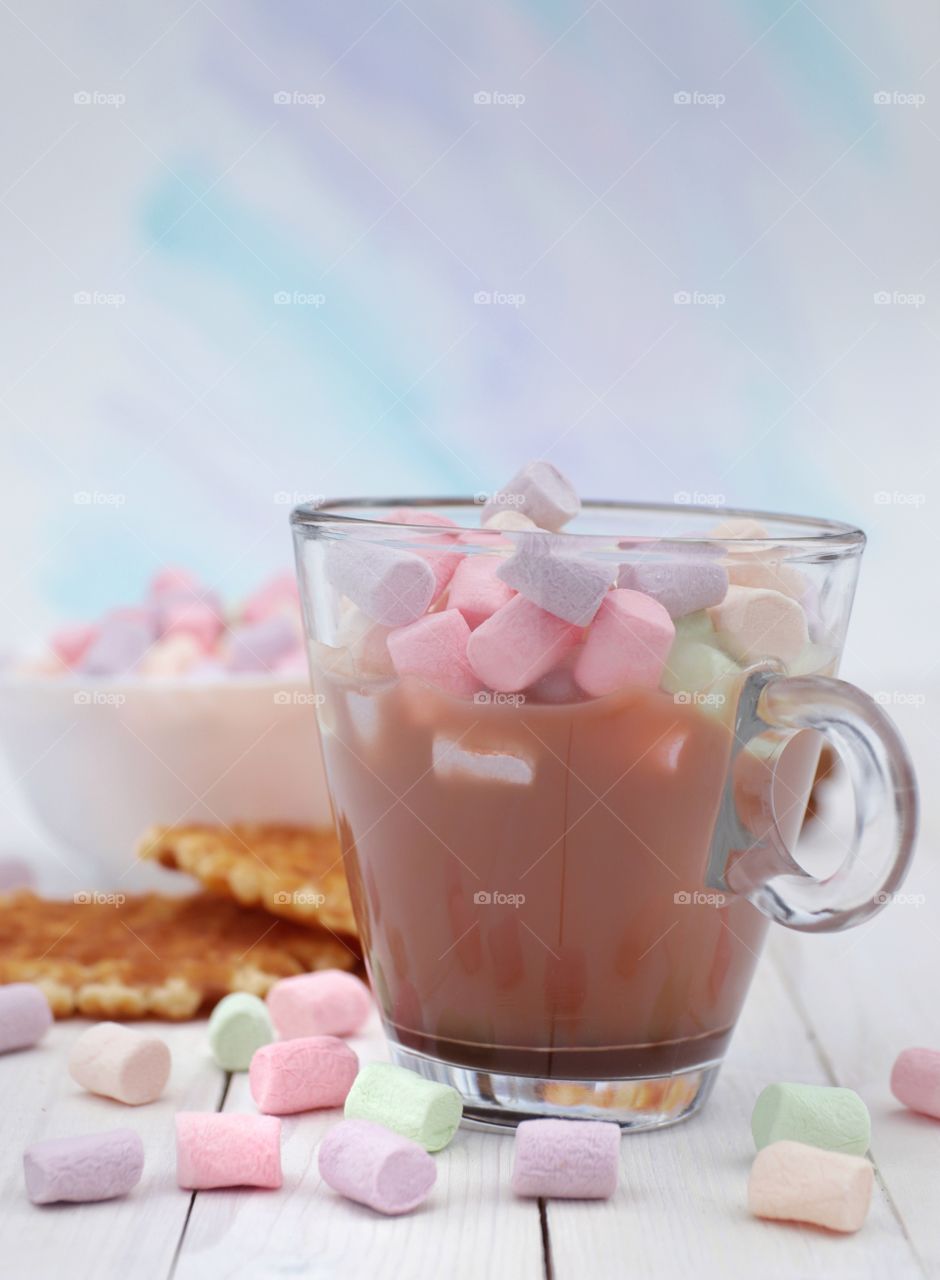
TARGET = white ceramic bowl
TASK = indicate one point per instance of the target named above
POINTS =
(98, 761)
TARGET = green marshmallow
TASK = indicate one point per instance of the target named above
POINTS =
(695, 626)
(818, 1115)
(239, 1024)
(418, 1109)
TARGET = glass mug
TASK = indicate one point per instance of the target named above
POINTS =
(561, 898)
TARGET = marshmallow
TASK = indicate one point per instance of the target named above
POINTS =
(476, 590)
(512, 521)
(815, 1114)
(419, 1109)
(693, 665)
(259, 646)
(173, 656)
(15, 873)
(193, 619)
(217, 1149)
(417, 515)
(69, 644)
(566, 1159)
(443, 563)
(95, 1166)
(240, 1023)
(25, 1016)
(122, 640)
(174, 581)
(329, 1002)
(389, 585)
(766, 569)
(435, 650)
(540, 492)
(681, 588)
(739, 527)
(369, 1164)
(627, 644)
(279, 594)
(518, 644)
(302, 1075)
(116, 1062)
(565, 585)
(915, 1080)
(800, 1183)
(754, 623)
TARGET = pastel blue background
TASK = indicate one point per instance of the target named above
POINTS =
(198, 409)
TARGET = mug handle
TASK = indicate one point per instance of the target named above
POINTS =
(749, 855)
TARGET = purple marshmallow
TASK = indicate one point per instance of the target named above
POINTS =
(681, 588)
(122, 640)
(25, 1016)
(562, 584)
(260, 646)
(95, 1166)
(540, 492)
(390, 585)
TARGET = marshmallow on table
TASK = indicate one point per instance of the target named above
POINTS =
(681, 588)
(239, 1024)
(540, 492)
(223, 1149)
(118, 1062)
(627, 644)
(70, 643)
(815, 1114)
(259, 646)
(196, 619)
(172, 656)
(435, 650)
(476, 590)
(25, 1016)
(390, 585)
(419, 1109)
(329, 1002)
(755, 623)
(122, 640)
(915, 1080)
(566, 1159)
(302, 1075)
(173, 581)
(274, 596)
(563, 584)
(797, 1183)
(95, 1166)
(518, 644)
(374, 1166)
(15, 873)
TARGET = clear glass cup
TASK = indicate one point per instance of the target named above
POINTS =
(562, 898)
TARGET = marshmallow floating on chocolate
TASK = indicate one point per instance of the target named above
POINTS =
(563, 584)
(509, 520)
(518, 644)
(566, 1159)
(221, 1149)
(372, 1165)
(476, 589)
(794, 1182)
(915, 1080)
(419, 1109)
(25, 1016)
(627, 644)
(302, 1075)
(94, 1166)
(538, 491)
(681, 588)
(754, 623)
(435, 650)
(819, 1115)
(118, 1062)
(329, 1002)
(390, 585)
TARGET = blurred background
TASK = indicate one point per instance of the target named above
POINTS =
(257, 253)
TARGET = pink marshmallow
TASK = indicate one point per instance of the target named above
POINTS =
(217, 1149)
(372, 1165)
(566, 585)
(329, 1002)
(25, 1016)
(443, 563)
(627, 644)
(538, 491)
(95, 1166)
(69, 644)
(518, 644)
(173, 580)
(278, 594)
(476, 590)
(794, 1182)
(566, 1159)
(417, 515)
(259, 646)
(120, 1062)
(302, 1075)
(193, 619)
(389, 585)
(435, 650)
(915, 1080)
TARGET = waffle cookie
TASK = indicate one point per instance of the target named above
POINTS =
(148, 955)
(294, 872)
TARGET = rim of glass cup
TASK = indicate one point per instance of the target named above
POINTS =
(814, 532)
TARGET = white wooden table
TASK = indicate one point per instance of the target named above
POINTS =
(830, 1010)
